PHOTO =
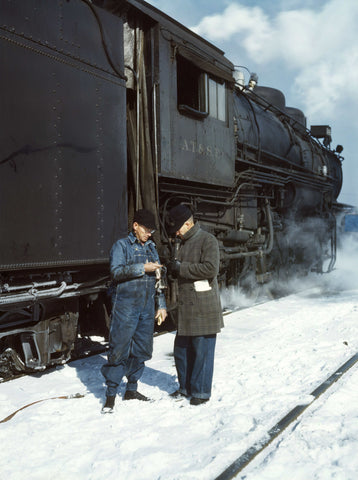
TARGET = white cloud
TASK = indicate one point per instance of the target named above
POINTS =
(320, 47)
(330, 85)
(236, 19)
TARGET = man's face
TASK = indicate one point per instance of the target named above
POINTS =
(183, 229)
(141, 232)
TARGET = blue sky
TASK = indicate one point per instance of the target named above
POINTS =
(306, 48)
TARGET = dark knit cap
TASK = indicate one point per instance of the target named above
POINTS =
(177, 217)
(145, 217)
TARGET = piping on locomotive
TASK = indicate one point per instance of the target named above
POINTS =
(109, 106)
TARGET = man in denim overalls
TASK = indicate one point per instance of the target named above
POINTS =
(133, 263)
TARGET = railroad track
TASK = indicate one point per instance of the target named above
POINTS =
(245, 458)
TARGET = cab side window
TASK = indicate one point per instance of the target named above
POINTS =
(199, 94)
(217, 99)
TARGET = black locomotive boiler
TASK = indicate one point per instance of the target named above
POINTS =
(108, 106)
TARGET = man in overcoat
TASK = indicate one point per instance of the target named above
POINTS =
(199, 310)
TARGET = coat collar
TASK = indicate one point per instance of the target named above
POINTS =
(190, 233)
(133, 239)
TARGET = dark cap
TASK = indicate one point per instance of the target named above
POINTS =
(177, 217)
(145, 217)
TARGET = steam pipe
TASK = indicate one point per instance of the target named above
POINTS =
(7, 288)
(33, 294)
(270, 225)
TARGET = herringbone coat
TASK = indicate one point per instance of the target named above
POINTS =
(199, 312)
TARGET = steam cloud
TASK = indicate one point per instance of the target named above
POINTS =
(343, 277)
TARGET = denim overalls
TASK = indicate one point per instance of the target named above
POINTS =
(133, 310)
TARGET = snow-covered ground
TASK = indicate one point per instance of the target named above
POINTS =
(269, 359)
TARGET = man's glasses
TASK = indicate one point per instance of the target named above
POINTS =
(147, 230)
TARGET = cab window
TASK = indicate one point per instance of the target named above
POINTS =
(199, 94)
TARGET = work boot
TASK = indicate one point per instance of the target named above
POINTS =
(108, 407)
(178, 394)
(198, 401)
(134, 395)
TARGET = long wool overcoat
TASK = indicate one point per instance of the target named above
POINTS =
(199, 312)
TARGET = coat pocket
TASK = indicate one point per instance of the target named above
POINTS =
(206, 303)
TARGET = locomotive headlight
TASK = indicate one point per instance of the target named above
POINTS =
(324, 170)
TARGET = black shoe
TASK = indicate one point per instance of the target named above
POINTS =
(198, 401)
(134, 395)
(178, 394)
(108, 407)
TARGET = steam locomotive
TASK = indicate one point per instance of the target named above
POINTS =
(109, 106)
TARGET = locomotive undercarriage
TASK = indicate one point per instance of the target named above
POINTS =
(42, 321)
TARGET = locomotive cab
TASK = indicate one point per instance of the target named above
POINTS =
(196, 118)
(179, 109)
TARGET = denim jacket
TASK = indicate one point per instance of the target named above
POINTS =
(127, 259)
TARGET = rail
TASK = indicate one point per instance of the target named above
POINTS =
(243, 460)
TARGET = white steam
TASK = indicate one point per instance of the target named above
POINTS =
(343, 277)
